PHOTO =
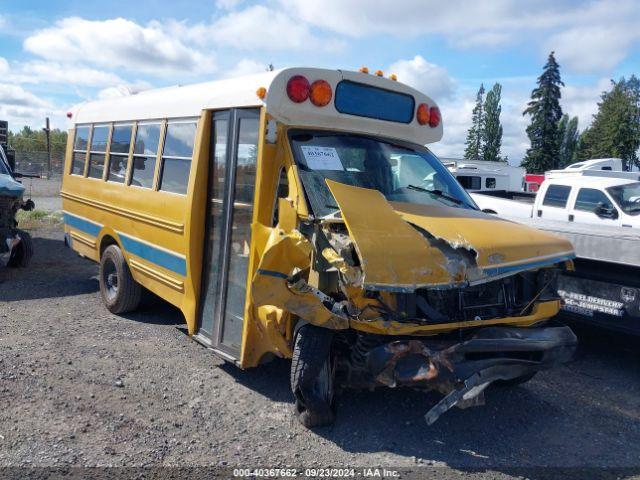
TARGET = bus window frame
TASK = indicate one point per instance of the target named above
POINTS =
(86, 152)
(162, 122)
(127, 155)
(162, 156)
(87, 165)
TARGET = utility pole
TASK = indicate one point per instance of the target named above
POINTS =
(47, 131)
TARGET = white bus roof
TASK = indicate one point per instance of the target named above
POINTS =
(191, 100)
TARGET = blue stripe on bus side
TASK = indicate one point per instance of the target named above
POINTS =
(82, 224)
(168, 260)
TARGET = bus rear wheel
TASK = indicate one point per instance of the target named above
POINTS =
(313, 376)
(120, 292)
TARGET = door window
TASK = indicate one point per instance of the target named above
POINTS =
(557, 196)
(240, 244)
(213, 243)
(589, 198)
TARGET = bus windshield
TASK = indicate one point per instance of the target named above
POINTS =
(401, 172)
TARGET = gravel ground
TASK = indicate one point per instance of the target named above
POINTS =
(80, 386)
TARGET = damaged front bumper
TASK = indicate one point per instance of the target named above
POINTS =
(464, 369)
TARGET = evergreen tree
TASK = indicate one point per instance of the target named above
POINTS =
(473, 144)
(568, 134)
(615, 130)
(492, 131)
(545, 111)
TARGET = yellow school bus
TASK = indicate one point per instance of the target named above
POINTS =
(299, 214)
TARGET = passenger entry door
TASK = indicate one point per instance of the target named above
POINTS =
(232, 172)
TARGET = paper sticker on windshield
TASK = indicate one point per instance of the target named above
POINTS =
(322, 158)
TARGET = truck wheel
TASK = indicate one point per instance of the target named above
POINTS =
(312, 376)
(515, 381)
(120, 292)
(22, 253)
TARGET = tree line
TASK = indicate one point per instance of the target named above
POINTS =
(32, 140)
(555, 140)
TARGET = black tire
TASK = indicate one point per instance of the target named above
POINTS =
(22, 253)
(312, 376)
(515, 381)
(120, 292)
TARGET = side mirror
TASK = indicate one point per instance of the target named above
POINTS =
(604, 211)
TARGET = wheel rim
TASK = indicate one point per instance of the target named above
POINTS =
(110, 279)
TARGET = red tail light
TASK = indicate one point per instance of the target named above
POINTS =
(320, 93)
(69, 114)
(422, 114)
(434, 117)
(298, 89)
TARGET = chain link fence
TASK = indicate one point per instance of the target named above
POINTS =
(35, 163)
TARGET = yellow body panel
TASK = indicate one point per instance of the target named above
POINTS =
(495, 240)
(150, 222)
(392, 252)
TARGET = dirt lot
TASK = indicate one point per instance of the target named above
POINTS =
(79, 386)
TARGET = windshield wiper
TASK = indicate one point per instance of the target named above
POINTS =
(437, 193)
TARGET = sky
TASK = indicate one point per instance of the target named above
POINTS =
(55, 54)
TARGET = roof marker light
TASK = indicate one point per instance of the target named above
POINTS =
(393, 77)
(364, 69)
(320, 93)
(69, 114)
(423, 114)
(379, 73)
(434, 117)
(261, 92)
(298, 89)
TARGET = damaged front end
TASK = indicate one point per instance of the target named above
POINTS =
(461, 369)
(428, 297)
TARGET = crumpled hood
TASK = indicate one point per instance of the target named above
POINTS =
(405, 246)
(9, 187)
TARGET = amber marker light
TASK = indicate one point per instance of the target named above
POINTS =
(422, 115)
(320, 93)
(364, 70)
(379, 73)
(393, 77)
(261, 93)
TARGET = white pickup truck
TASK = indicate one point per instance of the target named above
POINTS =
(593, 210)
(588, 197)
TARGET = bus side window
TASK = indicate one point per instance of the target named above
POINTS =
(119, 153)
(80, 145)
(176, 157)
(145, 151)
(282, 192)
(97, 151)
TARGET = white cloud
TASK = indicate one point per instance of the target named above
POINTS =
(15, 95)
(122, 90)
(246, 66)
(118, 43)
(594, 48)
(4, 66)
(262, 28)
(38, 72)
(426, 77)
(545, 24)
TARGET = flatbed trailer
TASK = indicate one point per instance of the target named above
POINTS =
(604, 289)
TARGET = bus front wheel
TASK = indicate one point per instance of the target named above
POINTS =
(120, 292)
(313, 375)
